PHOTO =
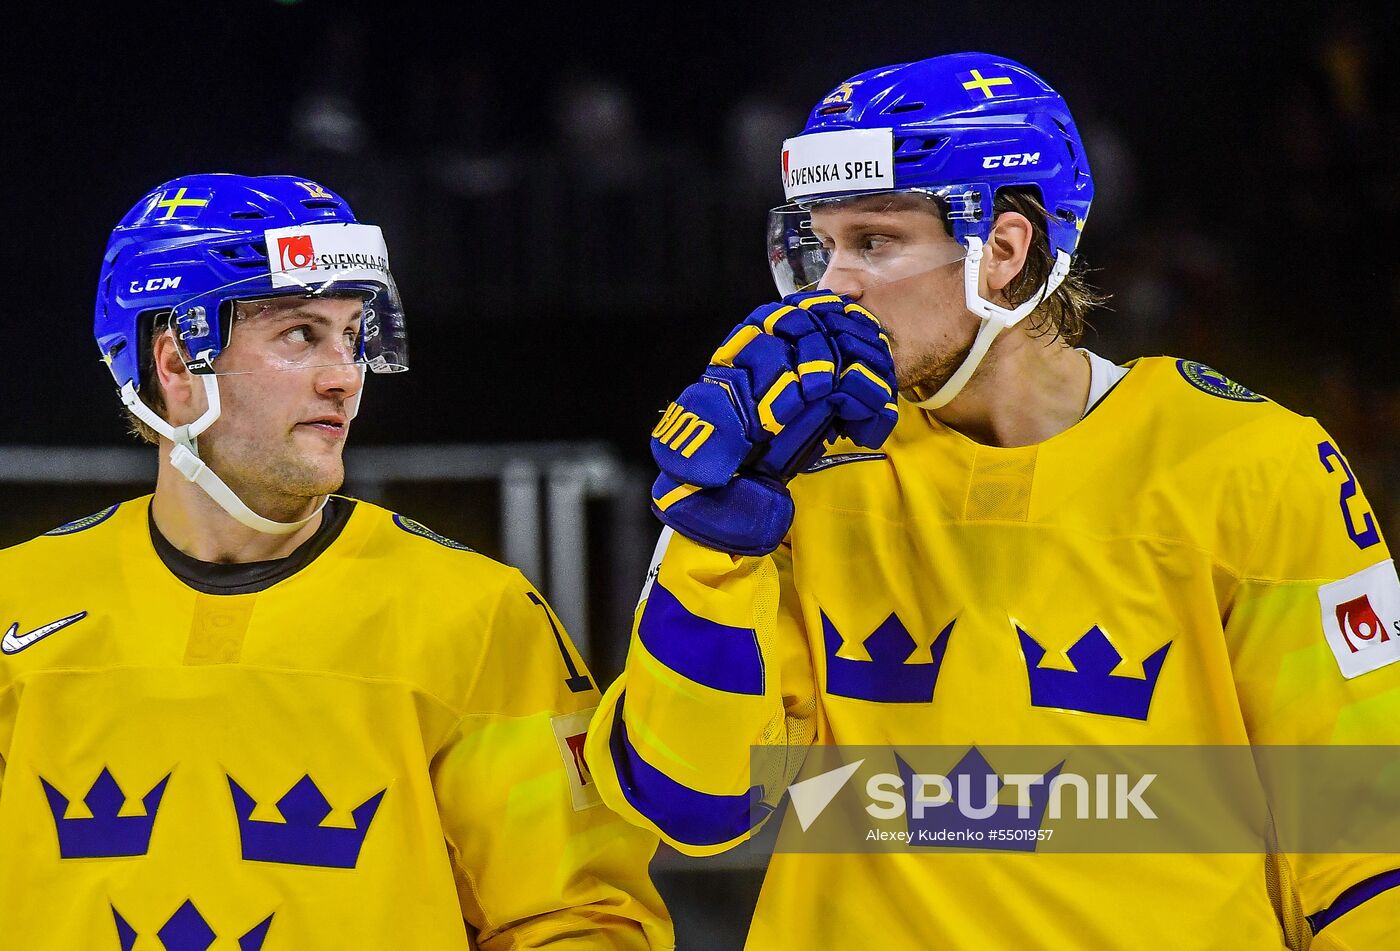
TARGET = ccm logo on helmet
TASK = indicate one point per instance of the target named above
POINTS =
(1011, 161)
(156, 284)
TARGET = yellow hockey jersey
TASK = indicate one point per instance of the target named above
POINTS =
(942, 592)
(382, 749)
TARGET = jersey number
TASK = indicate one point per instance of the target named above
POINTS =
(1368, 536)
(576, 681)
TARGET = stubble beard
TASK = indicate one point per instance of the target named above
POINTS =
(301, 478)
(279, 485)
(930, 371)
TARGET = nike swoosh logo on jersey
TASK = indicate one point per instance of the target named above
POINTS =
(14, 642)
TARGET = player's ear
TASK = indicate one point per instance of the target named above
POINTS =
(1005, 255)
(175, 380)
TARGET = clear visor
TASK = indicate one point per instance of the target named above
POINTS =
(343, 319)
(869, 240)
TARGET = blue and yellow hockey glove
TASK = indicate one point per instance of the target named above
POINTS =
(864, 398)
(789, 377)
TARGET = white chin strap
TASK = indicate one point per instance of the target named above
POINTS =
(995, 319)
(185, 458)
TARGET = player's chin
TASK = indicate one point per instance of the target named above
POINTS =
(921, 382)
(928, 372)
(910, 376)
(321, 480)
(320, 466)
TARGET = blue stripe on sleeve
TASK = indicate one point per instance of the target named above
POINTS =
(713, 655)
(686, 815)
(1355, 895)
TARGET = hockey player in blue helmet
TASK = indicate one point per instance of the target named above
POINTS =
(997, 164)
(245, 644)
(893, 493)
(211, 286)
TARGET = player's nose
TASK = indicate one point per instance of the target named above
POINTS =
(843, 281)
(340, 379)
(840, 277)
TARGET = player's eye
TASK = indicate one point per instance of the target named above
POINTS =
(301, 335)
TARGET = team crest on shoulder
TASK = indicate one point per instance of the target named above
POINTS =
(1212, 381)
(84, 523)
(423, 531)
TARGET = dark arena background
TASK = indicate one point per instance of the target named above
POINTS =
(574, 202)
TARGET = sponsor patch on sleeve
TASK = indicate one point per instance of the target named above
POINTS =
(570, 731)
(1361, 619)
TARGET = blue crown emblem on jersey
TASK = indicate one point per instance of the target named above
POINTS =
(106, 835)
(301, 839)
(186, 930)
(1091, 687)
(974, 787)
(898, 671)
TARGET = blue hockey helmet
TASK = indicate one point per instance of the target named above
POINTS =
(197, 243)
(193, 248)
(958, 129)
